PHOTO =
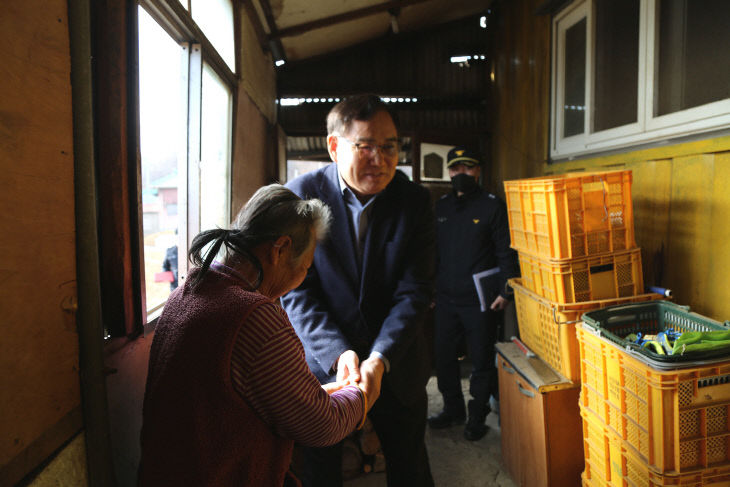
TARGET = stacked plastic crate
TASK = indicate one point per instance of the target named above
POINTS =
(574, 234)
(650, 418)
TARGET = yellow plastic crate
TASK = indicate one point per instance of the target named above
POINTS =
(611, 462)
(571, 215)
(607, 276)
(675, 420)
(548, 328)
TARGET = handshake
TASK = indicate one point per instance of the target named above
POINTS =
(367, 375)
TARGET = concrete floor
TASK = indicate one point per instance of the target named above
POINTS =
(454, 460)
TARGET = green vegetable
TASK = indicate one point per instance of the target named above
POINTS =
(663, 338)
(654, 346)
(696, 341)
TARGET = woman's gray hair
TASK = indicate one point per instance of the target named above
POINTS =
(273, 211)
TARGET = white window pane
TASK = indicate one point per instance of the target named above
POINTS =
(162, 135)
(184, 3)
(615, 95)
(575, 77)
(215, 19)
(694, 42)
(295, 168)
(215, 152)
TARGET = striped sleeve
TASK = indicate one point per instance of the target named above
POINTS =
(269, 371)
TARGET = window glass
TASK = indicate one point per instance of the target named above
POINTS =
(214, 152)
(656, 69)
(296, 168)
(215, 19)
(694, 42)
(575, 72)
(162, 134)
(616, 76)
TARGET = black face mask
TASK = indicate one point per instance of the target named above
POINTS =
(463, 183)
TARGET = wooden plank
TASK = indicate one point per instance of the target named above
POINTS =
(650, 194)
(39, 348)
(688, 252)
(715, 290)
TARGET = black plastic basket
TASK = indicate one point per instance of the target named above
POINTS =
(615, 322)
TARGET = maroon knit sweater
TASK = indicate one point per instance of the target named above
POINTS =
(196, 429)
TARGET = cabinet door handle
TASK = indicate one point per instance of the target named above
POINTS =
(525, 391)
(508, 368)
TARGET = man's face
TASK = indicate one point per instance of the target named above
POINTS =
(365, 174)
(472, 171)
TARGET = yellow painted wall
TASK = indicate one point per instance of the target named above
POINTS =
(681, 203)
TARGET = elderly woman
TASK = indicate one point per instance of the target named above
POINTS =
(228, 390)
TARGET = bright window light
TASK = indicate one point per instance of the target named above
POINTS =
(280, 62)
(215, 19)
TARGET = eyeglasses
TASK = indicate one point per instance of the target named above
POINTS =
(366, 149)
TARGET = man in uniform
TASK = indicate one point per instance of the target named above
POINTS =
(474, 263)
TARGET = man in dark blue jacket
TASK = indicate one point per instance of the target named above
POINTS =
(360, 310)
(474, 263)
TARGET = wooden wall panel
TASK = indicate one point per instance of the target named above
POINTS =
(717, 296)
(254, 162)
(650, 194)
(690, 211)
(257, 70)
(39, 376)
(520, 91)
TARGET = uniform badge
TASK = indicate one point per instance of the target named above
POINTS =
(475, 220)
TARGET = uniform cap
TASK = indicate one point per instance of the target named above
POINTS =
(462, 155)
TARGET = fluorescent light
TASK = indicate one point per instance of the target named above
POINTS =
(460, 59)
(289, 102)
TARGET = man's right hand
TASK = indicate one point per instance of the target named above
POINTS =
(372, 377)
(348, 367)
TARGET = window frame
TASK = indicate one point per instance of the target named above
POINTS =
(648, 128)
(177, 21)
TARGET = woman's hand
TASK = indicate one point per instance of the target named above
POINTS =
(335, 386)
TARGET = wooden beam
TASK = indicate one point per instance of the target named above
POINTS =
(277, 49)
(253, 17)
(336, 19)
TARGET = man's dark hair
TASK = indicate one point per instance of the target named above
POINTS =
(356, 107)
